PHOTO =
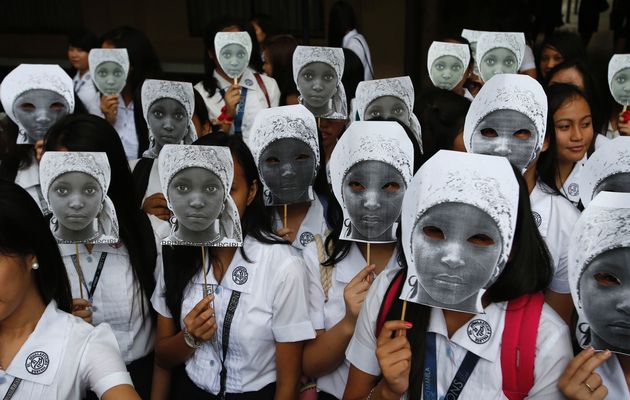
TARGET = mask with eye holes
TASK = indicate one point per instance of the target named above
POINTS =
(370, 169)
(109, 69)
(233, 50)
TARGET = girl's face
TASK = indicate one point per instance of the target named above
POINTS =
(498, 61)
(455, 257)
(287, 166)
(110, 78)
(446, 72)
(506, 133)
(233, 59)
(574, 129)
(373, 192)
(38, 109)
(168, 121)
(196, 196)
(317, 83)
(549, 58)
(78, 58)
(75, 199)
(605, 296)
(15, 280)
(387, 107)
(620, 86)
(614, 183)
(569, 76)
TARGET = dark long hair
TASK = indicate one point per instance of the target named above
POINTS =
(84, 40)
(24, 231)
(341, 20)
(13, 156)
(568, 44)
(548, 164)
(91, 133)
(528, 271)
(181, 263)
(279, 51)
(255, 62)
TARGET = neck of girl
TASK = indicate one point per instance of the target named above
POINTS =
(624, 361)
(295, 214)
(127, 94)
(564, 170)
(83, 72)
(78, 236)
(222, 257)
(457, 319)
(323, 110)
(380, 254)
(22, 322)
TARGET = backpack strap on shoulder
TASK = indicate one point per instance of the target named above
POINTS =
(393, 292)
(262, 85)
(518, 346)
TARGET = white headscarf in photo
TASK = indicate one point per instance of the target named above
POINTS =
(613, 157)
(222, 39)
(485, 182)
(384, 141)
(515, 92)
(99, 56)
(513, 41)
(617, 63)
(27, 77)
(471, 35)
(182, 92)
(286, 122)
(218, 160)
(333, 56)
(95, 164)
(400, 87)
(440, 49)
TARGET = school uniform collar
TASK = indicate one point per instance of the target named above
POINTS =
(481, 335)
(78, 78)
(28, 177)
(314, 223)
(239, 276)
(40, 356)
(247, 80)
(541, 201)
(348, 36)
(356, 262)
(70, 249)
(571, 187)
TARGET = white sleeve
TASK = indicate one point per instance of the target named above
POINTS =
(553, 353)
(102, 366)
(290, 321)
(361, 351)
(529, 62)
(157, 299)
(316, 297)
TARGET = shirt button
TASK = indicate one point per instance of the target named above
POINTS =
(89, 258)
(217, 290)
(212, 363)
(89, 283)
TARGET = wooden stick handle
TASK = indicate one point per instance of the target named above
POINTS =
(79, 270)
(285, 216)
(368, 253)
(235, 81)
(205, 271)
(402, 316)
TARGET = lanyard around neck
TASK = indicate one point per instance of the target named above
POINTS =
(12, 389)
(97, 274)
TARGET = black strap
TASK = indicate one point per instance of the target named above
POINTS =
(12, 389)
(141, 175)
(227, 323)
(261, 83)
(97, 274)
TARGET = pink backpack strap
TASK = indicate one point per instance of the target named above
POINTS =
(518, 347)
(393, 292)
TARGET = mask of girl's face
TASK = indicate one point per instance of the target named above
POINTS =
(168, 121)
(373, 192)
(498, 61)
(37, 110)
(446, 72)
(386, 107)
(233, 59)
(455, 257)
(506, 133)
(196, 196)
(110, 78)
(75, 199)
(605, 295)
(620, 86)
(614, 183)
(317, 83)
(287, 167)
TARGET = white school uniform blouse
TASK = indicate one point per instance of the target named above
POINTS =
(126, 127)
(28, 179)
(553, 348)
(64, 357)
(356, 42)
(314, 223)
(614, 379)
(555, 217)
(327, 314)
(86, 91)
(272, 308)
(117, 299)
(255, 101)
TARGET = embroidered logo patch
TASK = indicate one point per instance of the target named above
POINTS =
(240, 275)
(37, 362)
(306, 238)
(479, 331)
(249, 82)
(574, 189)
(537, 218)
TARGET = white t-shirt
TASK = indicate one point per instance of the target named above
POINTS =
(272, 308)
(126, 127)
(63, 358)
(28, 179)
(254, 102)
(117, 298)
(614, 379)
(553, 348)
(314, 223)
(327, 314)
(356, 42)
(555, 217)
(86, 91)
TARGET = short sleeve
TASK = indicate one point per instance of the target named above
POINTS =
(102, 365)
(361, 351)
(315, 291)
(290, 321)
(158, 301)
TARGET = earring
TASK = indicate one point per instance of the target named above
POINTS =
(35, 265)
(55, 223)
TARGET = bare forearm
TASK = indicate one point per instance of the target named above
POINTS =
(325, 353)
(172, 351)
(288, 370)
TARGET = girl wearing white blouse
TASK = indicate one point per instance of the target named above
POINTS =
(245, 341)
(46, 352)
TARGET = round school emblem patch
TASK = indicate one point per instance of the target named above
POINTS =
(573, 189)
(479, 331)
(306, 238)
(37, 362)
(537, 218)
(240, 275)
(249, 82)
